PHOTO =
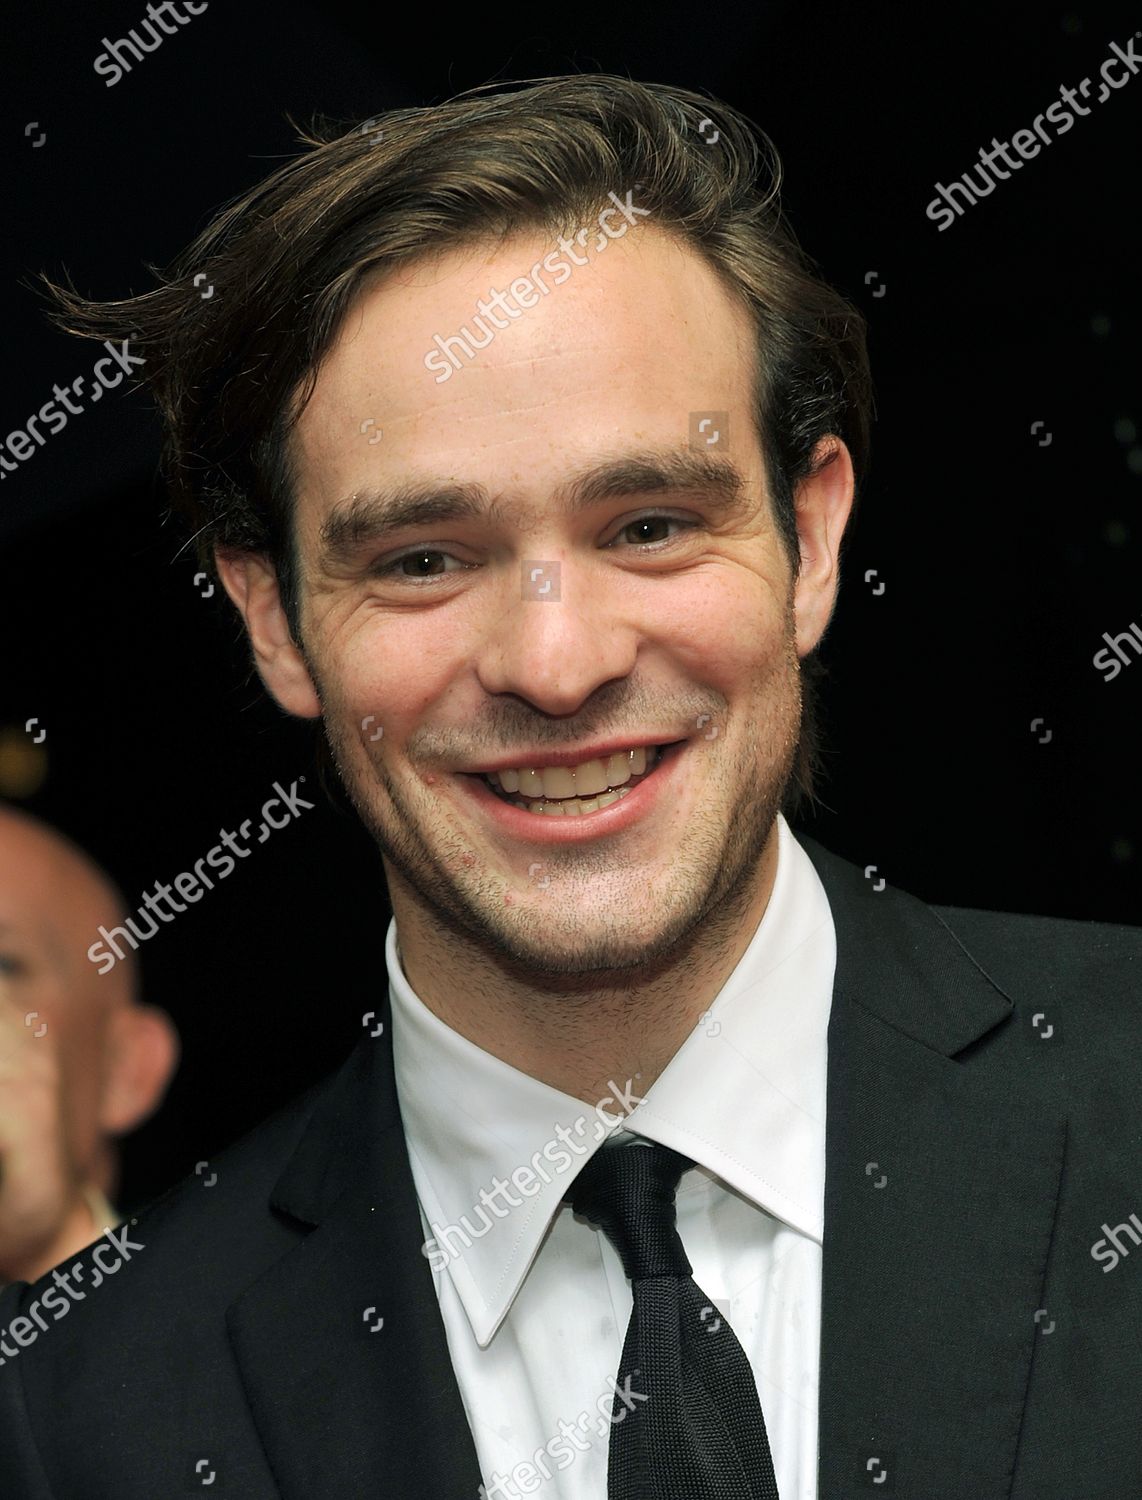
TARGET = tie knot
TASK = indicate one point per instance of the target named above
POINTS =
(628, 1191)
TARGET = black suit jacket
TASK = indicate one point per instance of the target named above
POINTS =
(983, 1133)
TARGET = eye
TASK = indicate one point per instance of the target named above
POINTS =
(417, 556)
(9, 966)
(656, 518)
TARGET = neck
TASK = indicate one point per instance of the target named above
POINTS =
(583, 1034)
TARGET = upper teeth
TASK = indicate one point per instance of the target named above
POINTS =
(585, 780)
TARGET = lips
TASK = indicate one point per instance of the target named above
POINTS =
(549, 820)
(568, 759)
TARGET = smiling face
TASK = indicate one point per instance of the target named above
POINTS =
(670, 614)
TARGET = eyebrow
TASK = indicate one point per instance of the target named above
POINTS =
(368, 515)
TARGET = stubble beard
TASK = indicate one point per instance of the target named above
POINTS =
(713, 871)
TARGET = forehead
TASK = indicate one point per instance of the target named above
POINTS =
(29, 895)
(47, 898)
(617, 358)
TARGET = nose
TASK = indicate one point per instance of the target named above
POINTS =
(556, 645)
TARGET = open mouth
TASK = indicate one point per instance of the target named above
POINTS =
(572, 792)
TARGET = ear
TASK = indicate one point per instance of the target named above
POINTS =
(142, 1054)
(824, 501)
(251, 581)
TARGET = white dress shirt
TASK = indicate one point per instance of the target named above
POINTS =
(535, 1302)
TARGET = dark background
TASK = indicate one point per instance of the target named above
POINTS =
(1004, 559)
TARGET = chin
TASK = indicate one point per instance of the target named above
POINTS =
(528, 937)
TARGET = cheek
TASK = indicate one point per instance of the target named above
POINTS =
(391, 677)
(81, 1077)
(731, 628)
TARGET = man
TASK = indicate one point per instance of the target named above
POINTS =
(81, 1061)
(526, 439)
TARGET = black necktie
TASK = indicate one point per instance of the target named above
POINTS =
(698, 1432)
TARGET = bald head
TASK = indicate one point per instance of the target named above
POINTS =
(116, 1056)
(55, 895)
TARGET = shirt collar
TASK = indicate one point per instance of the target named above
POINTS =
(743, 1097)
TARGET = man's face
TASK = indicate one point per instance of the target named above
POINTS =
(670, 615)
(49, 909)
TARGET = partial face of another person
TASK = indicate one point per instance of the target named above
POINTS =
(111, 1058)
(673, 617)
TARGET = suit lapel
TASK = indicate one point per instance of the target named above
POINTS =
(931, 1279)
(340, 1409)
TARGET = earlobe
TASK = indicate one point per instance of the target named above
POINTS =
(824, 502)
(251, 581)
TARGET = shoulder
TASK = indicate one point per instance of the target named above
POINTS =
(198, 1244)
(1097, 965)
(1075, 989)
(1074, 986)
(1060, 953)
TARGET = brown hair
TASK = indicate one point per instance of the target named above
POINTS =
(231, 371)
